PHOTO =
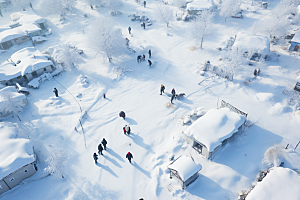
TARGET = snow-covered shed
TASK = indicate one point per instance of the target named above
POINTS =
(210, 132)
(27, 64)
(17, 158)
(185, 170)
(295, 42)
(257, 45)
(18, 100)
(29, 17)
(279, 183)
(199, 5)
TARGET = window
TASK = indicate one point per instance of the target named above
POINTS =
(34, 74)
(45, 69)
(26, 170)
(12, 179)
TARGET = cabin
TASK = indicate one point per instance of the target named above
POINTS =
(17, 158)
(184, 170)
(279, 183)
(197, 6)
(212, 131)
(257, 45)
(295, 42)
(29, 17)
(25, 65)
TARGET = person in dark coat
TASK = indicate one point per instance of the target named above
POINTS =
(144, 57)
(150, 63)
(127, 129)
(30, 5)
(144, 4)
(104, 143)
(95, 156)
(129, 30)
(55, 92)
(144, 25)
(162, 89)
(173, 92)
(100, 149)
(149, 52)
(139, 58)
(172, 98)
(122, 114)
(129, 156)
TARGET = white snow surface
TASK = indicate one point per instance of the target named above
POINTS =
(185, 166)
(280, 183)
(215, 126)
(14, 152)
(27, 17)
(14, 95)
(257, 43)
(296, 37)
(200, 5)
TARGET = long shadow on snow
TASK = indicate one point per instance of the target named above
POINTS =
(112, 161)
(142, 170)
(111, 152)
(139, 141)
(106, 168)
(130, 121)
(245, 152)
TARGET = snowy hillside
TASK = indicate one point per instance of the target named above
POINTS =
(69, 128)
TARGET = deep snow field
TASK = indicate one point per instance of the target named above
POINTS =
(156, 128)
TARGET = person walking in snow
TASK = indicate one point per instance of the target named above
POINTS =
(122, 114)
(124, 130)
(150, 63)
(144, 57)
(95, 156)
(144, 25)
(55, 92)
(129, 156)
(129, 30)
(162, 89)
(172, 98)
(139, 58)
(173, 92)
(127, 129)
(100, 149)
(30, 5)
(104, 143)
(149, 52)
(144, 4)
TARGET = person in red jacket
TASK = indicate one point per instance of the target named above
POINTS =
(129, 156)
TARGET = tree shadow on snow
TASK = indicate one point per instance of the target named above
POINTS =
(142, 170)
(111, 152)
(106, 168)
(112, 161)
(130, 121)
(139, 141)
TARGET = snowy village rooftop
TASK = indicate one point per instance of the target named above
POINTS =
(257, 43)
(200, 5)
(27, 17)
(280, 183)
(296, 37)
(20, 31)
(185, 166)
(14, 152)
(215, 126)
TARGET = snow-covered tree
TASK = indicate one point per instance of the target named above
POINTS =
(89, 2)
(272, 28)
(56, 163)
(20, 3)
(164, 13)
(229, 8)
(57, 6)
(201, 26)
(179, 3)
(104, 37)
(11, 105)
(68, 56)
(114, 6)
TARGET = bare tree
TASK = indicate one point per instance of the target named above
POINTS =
(229, 8)
(201, 26)
(56, 163)
(9, 104)
(179, 3)
(164, 13)
(68, 56)
(104, 37)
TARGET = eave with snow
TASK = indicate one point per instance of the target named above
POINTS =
(210, 132)
(185, 170)
(17, 158)
(295, 42)
(258, 45)
(199, 5)
(26, 64)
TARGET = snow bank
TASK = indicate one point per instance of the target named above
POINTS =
(200, 5)
(27, 17)
(185, 166)
(280, 183)
(251, 43)
(215, 126)
(8, 71)
(14, 152)
(35, 83)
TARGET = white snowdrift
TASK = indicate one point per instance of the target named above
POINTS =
(200, 5)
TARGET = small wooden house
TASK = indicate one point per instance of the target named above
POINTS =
(197, 6)
(295, 42)
(185, 170)
(210, 132)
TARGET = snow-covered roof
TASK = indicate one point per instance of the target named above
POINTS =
(257, 43)
(20, 31)
(27, 17)
(296, 37)
(14, 152)
(8, 71)
(280, 183)
(185, 166)
(200, 5)
(215, 126)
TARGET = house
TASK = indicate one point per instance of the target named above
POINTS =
(279, 183)
(18, 100)
(17, 158)
(4, 3)
(295, 42)
(29, 17)
(210, 132)
(185, 170)
(198, 5)
(18, 35)
(257, 45)
(26, 64)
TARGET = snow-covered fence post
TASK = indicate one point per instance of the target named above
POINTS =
(297, 146)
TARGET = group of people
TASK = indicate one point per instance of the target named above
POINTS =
(141, 58)
(100, 149)
(162, 90)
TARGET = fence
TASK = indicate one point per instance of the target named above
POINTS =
(231, 107)
(223, 73)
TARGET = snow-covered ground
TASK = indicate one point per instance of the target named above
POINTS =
(156, 128)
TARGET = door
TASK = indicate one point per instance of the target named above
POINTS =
(296, 48)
